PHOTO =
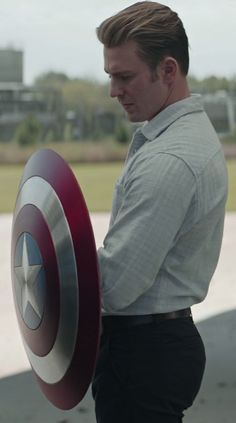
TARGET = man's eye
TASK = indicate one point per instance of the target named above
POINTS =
(125, 77)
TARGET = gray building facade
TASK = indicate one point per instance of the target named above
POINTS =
(11, 66)
(18, 101)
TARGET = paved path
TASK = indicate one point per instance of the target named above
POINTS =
(20, 399)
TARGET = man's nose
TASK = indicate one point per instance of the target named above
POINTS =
(116, 89)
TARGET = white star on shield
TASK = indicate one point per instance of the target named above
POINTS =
(27, 275)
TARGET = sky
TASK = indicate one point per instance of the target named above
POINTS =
(59, 35)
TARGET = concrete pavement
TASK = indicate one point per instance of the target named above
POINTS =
(20, 399)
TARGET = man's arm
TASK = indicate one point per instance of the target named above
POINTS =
(155, 200)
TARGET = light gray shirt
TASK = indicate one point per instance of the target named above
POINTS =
(166, 227)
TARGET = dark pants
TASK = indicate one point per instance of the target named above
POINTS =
(148, 373)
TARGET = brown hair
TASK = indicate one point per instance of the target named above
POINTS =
(156, 29)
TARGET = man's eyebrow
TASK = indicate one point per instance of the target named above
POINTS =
(118, 73)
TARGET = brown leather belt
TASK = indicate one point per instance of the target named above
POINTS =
(118, 322)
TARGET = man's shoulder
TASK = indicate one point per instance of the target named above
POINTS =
(193, 141)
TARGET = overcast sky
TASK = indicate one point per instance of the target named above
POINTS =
(60, 35)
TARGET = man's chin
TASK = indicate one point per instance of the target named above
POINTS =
(134, 118)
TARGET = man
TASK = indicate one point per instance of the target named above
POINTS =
(166, 225)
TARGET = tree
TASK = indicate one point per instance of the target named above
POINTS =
(122, 133)
(29, 131)
(87, 99)
(51, 79)
(96, 114)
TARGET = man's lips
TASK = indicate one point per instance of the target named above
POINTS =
(127, 105)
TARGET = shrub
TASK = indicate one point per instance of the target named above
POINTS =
(122, 133)
(29, 131)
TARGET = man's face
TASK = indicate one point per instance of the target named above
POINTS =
(140, 91)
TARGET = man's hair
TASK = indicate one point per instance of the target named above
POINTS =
(157, 30)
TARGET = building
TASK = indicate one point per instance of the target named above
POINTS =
(11, 66)
(17, 101)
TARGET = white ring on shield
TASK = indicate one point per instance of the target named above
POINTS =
(52, 367)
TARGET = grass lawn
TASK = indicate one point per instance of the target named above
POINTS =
(9, 182)
(97, 183)
(231, 203)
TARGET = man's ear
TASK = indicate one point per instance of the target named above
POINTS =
(169, 67)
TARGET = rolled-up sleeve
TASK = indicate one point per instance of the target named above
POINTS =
(154, 198)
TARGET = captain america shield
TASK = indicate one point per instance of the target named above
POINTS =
(55, 279)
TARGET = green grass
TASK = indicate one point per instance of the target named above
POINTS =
(97, 183)
(231, 203)
(9, 182)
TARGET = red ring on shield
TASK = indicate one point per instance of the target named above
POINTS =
(68, 385)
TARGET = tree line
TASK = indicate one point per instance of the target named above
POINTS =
(86, 110)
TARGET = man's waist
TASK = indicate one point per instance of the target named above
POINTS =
(121, 321)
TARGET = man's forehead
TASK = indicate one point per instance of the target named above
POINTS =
(121, 58)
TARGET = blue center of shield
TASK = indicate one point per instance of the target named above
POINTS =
(30, 280)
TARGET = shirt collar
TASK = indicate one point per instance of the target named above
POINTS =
(160, 122)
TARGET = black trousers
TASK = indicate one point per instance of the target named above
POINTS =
(148, 373)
